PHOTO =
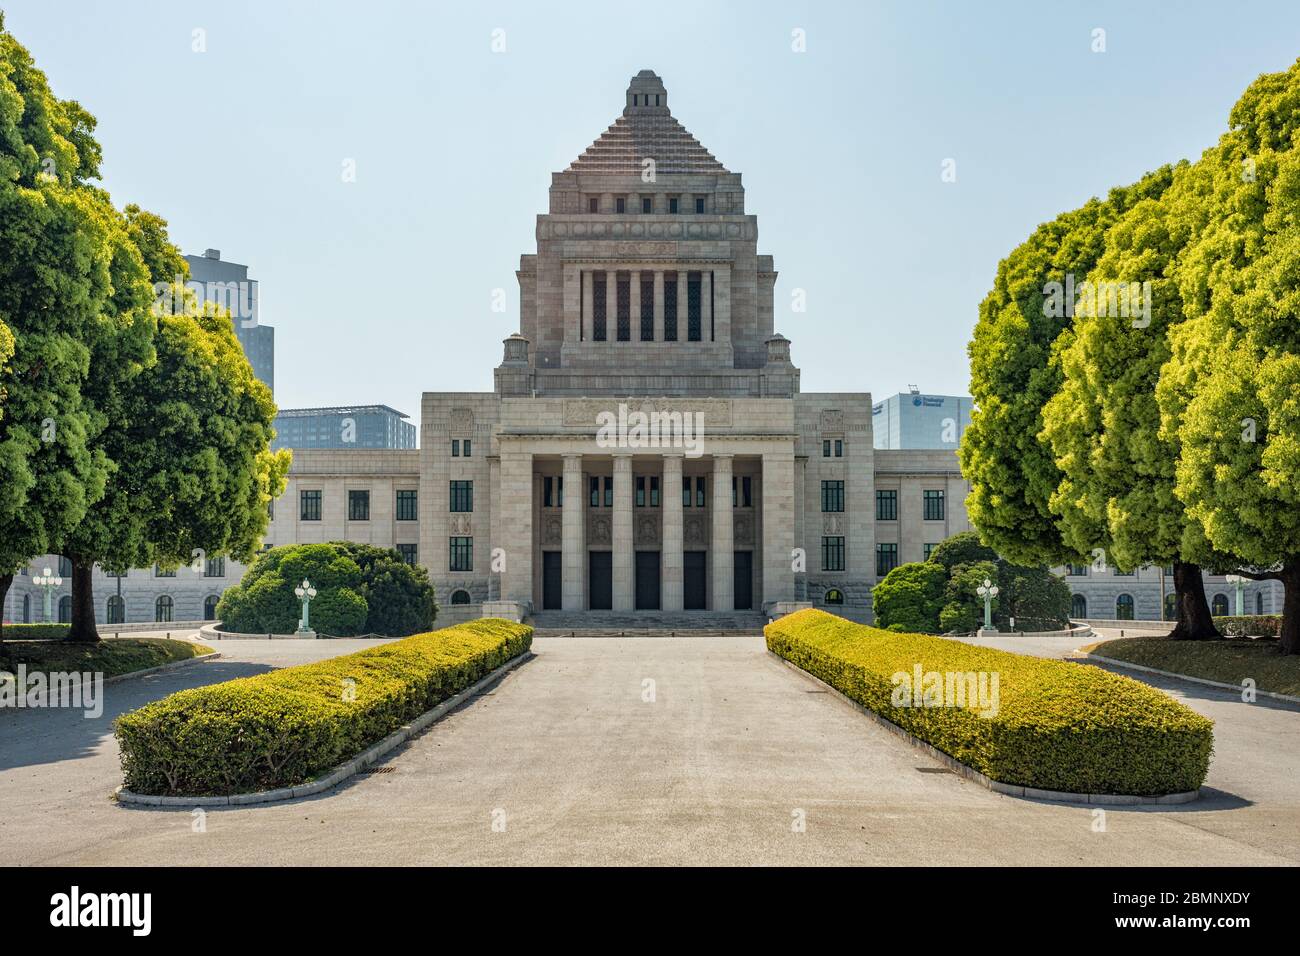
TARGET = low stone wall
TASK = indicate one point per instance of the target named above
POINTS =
(1162, 626)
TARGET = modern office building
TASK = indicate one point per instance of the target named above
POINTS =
(913, 420)
(647, 446)
(356, 426)
(227, 284)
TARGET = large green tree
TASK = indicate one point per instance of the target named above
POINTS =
(70, 284)
(1116, 491)
(1015, 371)
(188, 438)
(1229, 394)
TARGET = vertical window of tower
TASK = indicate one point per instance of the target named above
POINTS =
(623, 294)
(670, 306)
(693, 307)
(598, 306)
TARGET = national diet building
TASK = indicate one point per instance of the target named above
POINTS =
(647, 447)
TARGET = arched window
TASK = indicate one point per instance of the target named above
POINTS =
(162, 609)
(65, 609)
(834, 596)
(1124, 607)
(27, 609)
(1259, 602)
(1078, 606)
(460, 596)
(1171, 607)
(116, 610)
(210, 607)
(1219, 606)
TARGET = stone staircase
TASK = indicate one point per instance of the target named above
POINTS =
(646, 623)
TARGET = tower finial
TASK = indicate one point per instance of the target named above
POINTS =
(646, 92)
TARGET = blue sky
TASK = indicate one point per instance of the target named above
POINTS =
(382, 288)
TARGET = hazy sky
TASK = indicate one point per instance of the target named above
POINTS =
(382, 288)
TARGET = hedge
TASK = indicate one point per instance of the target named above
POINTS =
(1250, 625)
(1058, 725)
(36, 632)
(288, 726)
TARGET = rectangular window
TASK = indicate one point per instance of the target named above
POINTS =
(1078, 570)
(455, 448)
(833, 553)
(933, 505)
(160, 573)
(693, 307)
(747, 491)
(593, 204)
(559, 492)
(839, 448)
(358, 506)
(409, 552)
(699, 492)
(699, 205)
(462, 496)
(548, 489)
(309, 506)
(686, 492)
(926, 549)
(647, 205)
(886, 558)
(620, 205)
(647, 307)
(465, 448)
(407, 506)
(462, 554)
(670, 306)
(1123, 574)
(598, 306)
(832, 496)
(886, 505)
(826, 449)
(214, 568)
(640, 491)
(623, 303)
(654, 491)
(595, 492)
(270, 509)
(609, 492)
(672, 205)
(735, 491)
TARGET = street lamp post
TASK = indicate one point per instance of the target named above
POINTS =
(988, 591)
(305, 592)
(1238, 582)
(48, 582)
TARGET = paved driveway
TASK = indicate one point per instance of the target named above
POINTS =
(575, 761)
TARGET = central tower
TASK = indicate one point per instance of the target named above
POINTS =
(647, 279)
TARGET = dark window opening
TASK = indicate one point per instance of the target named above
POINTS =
(693, 306)
(598, 306)
(623, 302)
(670, 306)
(647, 307)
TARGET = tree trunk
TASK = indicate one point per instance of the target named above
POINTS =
(5, 581)
(1290, 578)
(83, 628)
(1195, 623)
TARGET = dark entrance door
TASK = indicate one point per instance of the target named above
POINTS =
(647, 580)
(693, 581)
(600, 579)
(744, 587)
(552, 581)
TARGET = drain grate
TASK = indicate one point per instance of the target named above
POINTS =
(933, 770)
(376, 770)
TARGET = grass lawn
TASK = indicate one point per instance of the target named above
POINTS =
(1227, 661)
(111, 657)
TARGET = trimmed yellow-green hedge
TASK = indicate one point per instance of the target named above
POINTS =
(286, 727)
(1058, 726)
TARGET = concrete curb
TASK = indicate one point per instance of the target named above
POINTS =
(162, 668)
(1085, 656)
(970, 773)
(340, 773)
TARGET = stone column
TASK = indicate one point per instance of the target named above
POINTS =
(573, 543)
(611, 305)
(683, 319)
(722, 544)
(671, 558)
(778, 525)
(587, 305)
(634, 305)
(621, 542)
(659, 305)
(516, 504)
